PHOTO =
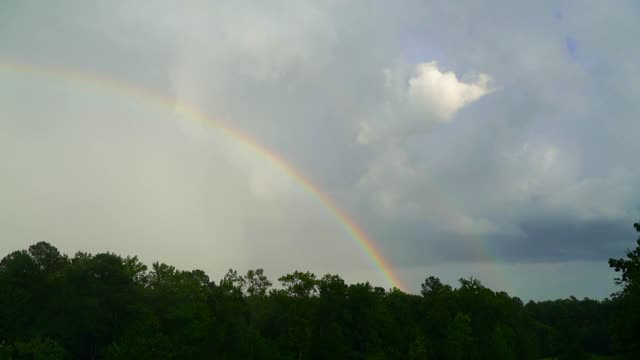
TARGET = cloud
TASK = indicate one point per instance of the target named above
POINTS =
(440, 94)
(428, 96)
(265, 179)
(391, 110)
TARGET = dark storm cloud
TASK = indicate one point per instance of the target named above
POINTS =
(589, 240)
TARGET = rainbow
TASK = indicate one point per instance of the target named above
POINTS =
(365, 243)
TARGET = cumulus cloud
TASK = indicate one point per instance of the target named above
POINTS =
(440, 93)
(427, 96)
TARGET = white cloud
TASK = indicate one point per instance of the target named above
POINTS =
(427, 96)
(437, 95)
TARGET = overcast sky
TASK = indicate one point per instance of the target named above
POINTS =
(494, 139)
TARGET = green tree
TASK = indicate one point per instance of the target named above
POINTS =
(627, 318)
(20, 279)
(111, 307)
(233, 284)
(300, 284)
(179, 301)
(500, 348)
(432, 286)
(329, 339)
(47, 257)
(257, 283)
(102, 300)
(436, 312)
(418, 349)
(459, 338)
(39, 349)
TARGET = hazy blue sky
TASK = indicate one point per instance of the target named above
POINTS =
(497, 139)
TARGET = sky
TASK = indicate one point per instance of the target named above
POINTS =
(495, 140)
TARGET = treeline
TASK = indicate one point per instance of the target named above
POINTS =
(104, 306)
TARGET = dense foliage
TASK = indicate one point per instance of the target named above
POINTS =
(627, 313)
(104, 306)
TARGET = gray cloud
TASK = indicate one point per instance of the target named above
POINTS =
(523, 155)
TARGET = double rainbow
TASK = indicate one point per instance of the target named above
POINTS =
(366, 244)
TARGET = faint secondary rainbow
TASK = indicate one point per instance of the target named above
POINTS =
(367, 245)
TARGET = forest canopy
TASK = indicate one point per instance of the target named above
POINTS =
(106, 306)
